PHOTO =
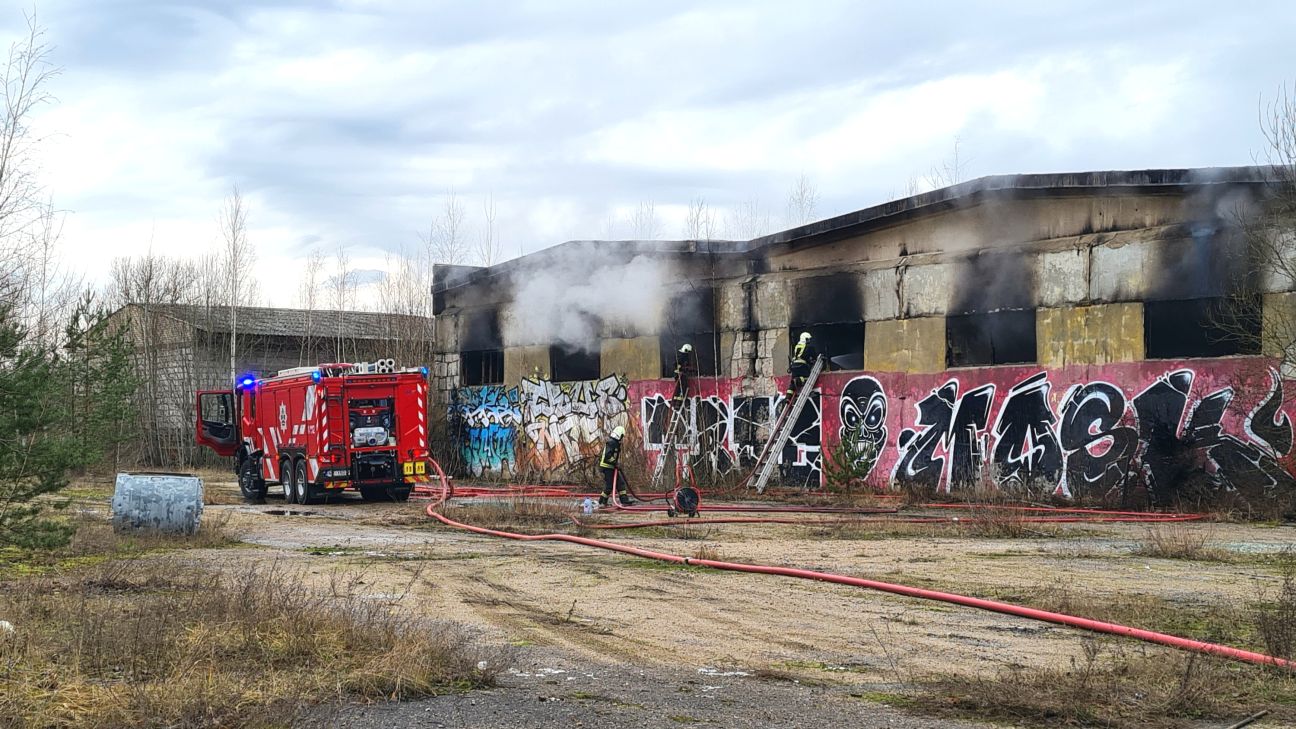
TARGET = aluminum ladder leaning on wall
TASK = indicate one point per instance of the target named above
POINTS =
(783, 428)
(670, 439)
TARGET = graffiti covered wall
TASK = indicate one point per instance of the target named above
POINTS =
(539, 429)
(1137, 433)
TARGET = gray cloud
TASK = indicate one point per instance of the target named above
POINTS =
(348, 120)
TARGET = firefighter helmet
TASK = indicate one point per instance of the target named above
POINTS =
(618, 432)
(805, 336)
(686, 348)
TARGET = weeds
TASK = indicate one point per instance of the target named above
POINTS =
(1275, 619)
(153, 642)
(1116, 685)
(708, 551)
(519, 514)
(1178, 541)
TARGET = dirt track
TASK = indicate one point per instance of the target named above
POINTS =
(566, 606)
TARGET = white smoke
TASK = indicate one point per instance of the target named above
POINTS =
(569, 297)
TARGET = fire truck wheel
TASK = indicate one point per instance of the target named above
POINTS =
(307, 493)
(251, 484)
(286, 478)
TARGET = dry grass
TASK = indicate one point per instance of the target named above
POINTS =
(519, 514)
(156, 642)
(708, 551)
(1179, 541)
(979, 524)
(1274, 615)
(95, 541)
(1116, 685)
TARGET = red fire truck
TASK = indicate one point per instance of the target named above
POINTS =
(318, 431)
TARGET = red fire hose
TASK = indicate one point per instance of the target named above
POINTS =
(1098, 626)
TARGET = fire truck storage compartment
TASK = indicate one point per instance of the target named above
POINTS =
(374, 467)
(371, 422)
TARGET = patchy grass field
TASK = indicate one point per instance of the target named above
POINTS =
(134, 631)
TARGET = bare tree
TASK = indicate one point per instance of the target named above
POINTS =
(749, 219)
(802, 200)
(445, 240)
(950, 172)
(308, 299)
(404, 296)
(1268, 228)
(237, 257)
(51, 291)
(343, 295)
(699, 223)
(27, 73)
(644, 222)
(489, 248)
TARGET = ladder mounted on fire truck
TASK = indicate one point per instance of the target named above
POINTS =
(782, 429)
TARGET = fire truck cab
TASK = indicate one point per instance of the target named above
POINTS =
(319, 431)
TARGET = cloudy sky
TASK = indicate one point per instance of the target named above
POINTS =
(345, 123)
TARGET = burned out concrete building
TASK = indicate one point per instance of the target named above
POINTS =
(1082, 335)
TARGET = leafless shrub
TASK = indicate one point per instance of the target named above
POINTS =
(708, 551)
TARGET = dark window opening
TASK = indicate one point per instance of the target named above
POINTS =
(479, 330)
(690, 318)
(1212, 327)
(572, 364)
(706, 347)
(842, 345)
(485, 367)
(993, 338)
(833, 299)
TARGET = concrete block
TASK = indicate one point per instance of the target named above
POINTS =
(905, 345)
(1063, 277)
(1121, 271)
(881, 297)
(926, 290)
(1096, 334)
(772, 309)
(519, 362)
(637, 358)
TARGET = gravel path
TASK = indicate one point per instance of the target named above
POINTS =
(556, 692)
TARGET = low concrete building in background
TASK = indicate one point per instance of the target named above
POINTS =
(180, 349)
(1054, 335)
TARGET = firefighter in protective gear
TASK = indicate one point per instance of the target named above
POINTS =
(611, 471)
(685, 370)
(803, 356)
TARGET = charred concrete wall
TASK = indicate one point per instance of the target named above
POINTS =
(1035, 276)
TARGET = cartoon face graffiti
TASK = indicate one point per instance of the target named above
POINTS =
(863, 420)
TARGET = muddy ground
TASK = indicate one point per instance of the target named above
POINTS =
(602, 639)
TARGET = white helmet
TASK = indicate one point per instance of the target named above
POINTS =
(686, 348)
(805, 336)
(618, 432)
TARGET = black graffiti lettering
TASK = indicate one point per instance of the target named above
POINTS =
(918, 464)
(1090, 418)
(963, 442)
(1167, 460)
(1027, 451)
